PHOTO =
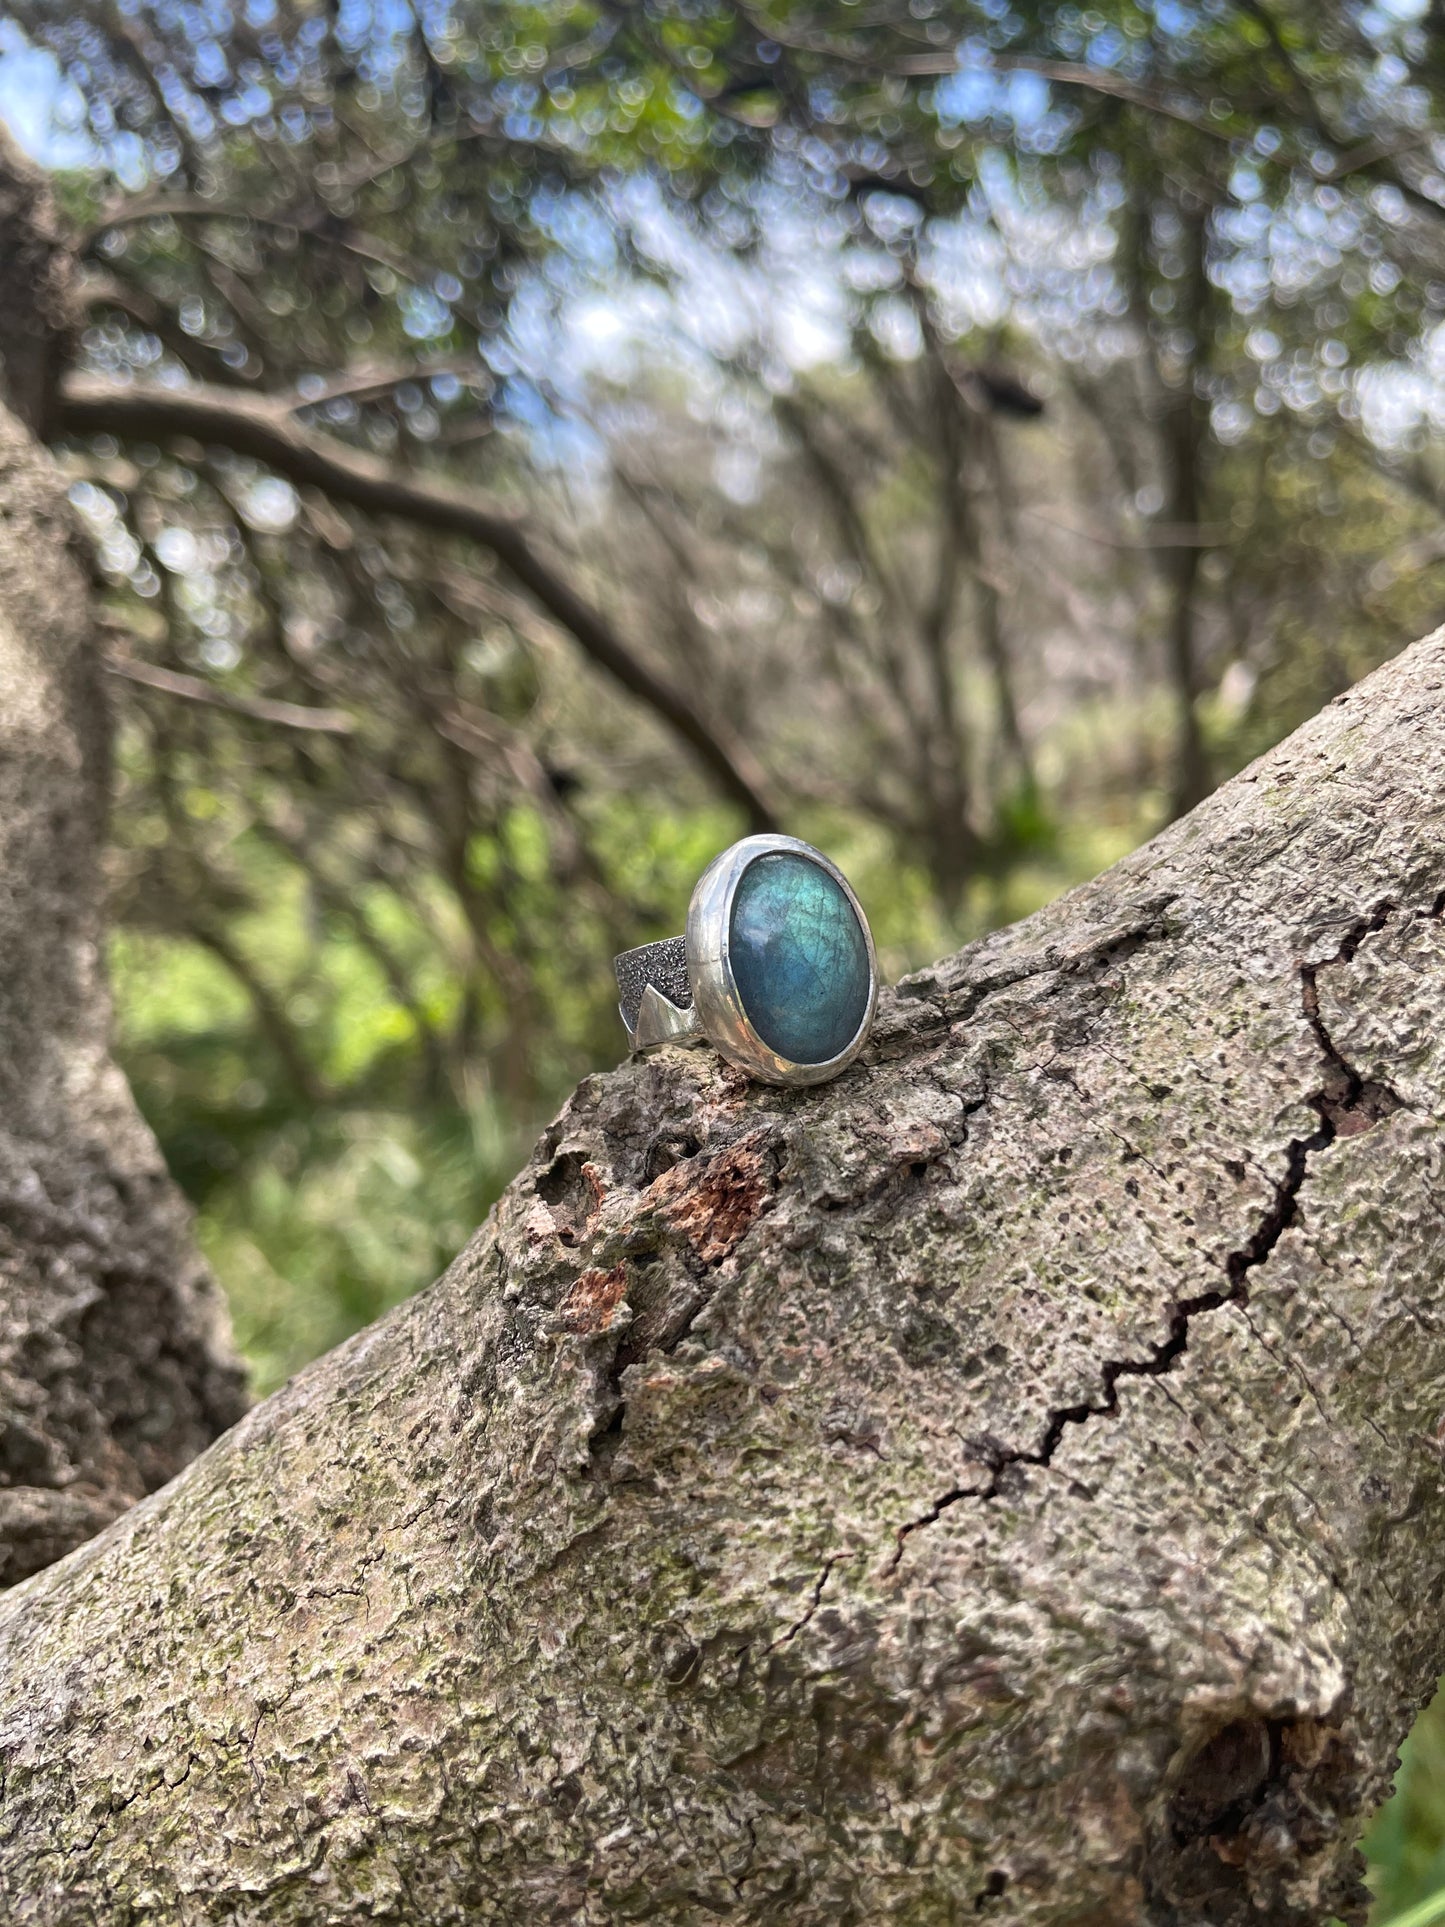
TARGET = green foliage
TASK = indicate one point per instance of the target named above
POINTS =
(1406, 1845)
(342, 1217)
(316, 1216)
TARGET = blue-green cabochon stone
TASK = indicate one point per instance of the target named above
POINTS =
(799, 958)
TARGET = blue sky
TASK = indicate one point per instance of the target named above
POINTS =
(33, 102)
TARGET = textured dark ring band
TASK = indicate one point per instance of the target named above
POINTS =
(662, 969)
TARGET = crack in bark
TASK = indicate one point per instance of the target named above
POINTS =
(1347, 1104)
(1347, 1101)
(819, 1587)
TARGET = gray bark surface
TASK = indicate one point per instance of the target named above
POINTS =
(116, 1367)
(1003, 1484)
(37, 305)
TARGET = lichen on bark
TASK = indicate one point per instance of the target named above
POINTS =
(1005, 1483)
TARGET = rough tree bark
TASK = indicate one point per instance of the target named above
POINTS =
(115, 1361)
(1005, 1483)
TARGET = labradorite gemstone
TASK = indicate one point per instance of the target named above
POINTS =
(798, 957)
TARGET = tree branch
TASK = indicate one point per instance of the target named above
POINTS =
(259, 428)
(1007, 1477)
(271, 1018)
(110, 291)
(261, 709)
(314, 224)
(1159, 100)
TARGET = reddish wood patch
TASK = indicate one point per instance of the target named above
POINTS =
(591, 1304)
(598, 1189)
(714, 1206)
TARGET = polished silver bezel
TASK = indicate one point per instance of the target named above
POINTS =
(715, 995)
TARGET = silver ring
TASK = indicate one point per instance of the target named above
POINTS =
(777, 969)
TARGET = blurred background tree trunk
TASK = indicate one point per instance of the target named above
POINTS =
(116, 1366)
(1184, 438)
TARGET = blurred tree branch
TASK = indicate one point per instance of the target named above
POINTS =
(170, 682)
(253, 426)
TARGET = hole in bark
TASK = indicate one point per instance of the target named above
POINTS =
(571, 1190)
(567, 1795)
(664, 1150)
(562, 1182)
(1251, 1801)
(685, 1668)
(994, 1888)
(1361, 1109)
(26, 1457)
(1221, 1781)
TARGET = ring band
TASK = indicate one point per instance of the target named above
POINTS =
(656, 1004)
(777, 968)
